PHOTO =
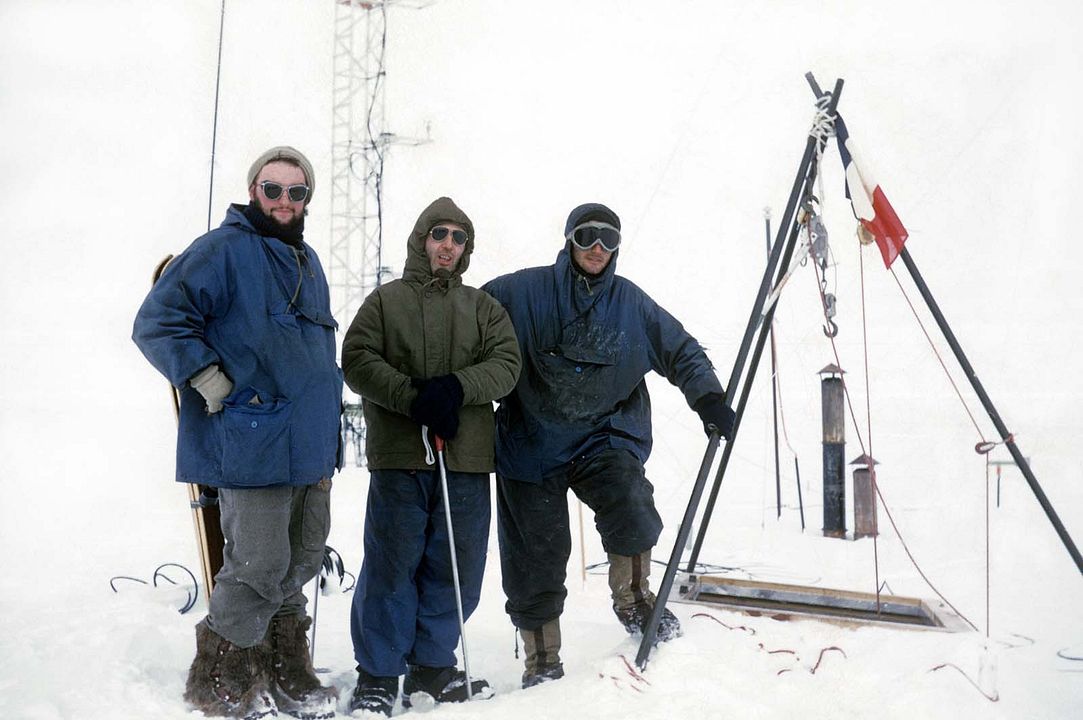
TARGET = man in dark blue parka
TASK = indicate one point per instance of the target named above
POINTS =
(240, 323)
(579, 418)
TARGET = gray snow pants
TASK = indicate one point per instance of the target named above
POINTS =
(274, 545)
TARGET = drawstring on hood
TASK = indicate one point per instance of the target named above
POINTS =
(291, 235)
(302, 259)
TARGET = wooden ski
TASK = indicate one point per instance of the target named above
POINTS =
(202, 499)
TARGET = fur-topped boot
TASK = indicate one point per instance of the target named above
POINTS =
(229, 681)
(295, 687)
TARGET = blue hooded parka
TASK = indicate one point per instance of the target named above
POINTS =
(260, 309)
(587, 343)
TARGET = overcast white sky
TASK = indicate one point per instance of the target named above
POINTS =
(688, 118)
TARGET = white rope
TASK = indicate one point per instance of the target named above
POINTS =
(823, 124)
(823, 129)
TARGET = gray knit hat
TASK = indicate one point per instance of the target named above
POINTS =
(285, 152)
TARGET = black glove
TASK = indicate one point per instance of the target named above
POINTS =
(437, 404)
(714, 412)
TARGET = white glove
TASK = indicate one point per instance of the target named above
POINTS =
(213, 385)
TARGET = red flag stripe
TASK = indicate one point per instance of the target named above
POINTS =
(886, 227)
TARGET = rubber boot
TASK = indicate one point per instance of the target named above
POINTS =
(229, 681)
(424, 687)
(295, 688)
(374, 694)
(633, 601)
(542, 650)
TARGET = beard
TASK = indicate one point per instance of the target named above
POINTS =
(291, 226)
(290, 232)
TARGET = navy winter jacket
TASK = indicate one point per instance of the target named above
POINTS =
(230, 299)
(587, 345)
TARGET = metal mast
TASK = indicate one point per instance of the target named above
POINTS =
(358, 142)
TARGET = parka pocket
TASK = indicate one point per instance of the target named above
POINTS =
(286, 320)
(576, 385)
(255, 440)
(316, 518)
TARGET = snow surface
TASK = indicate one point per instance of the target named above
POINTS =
(688, 118)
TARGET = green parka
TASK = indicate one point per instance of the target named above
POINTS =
(423, 326)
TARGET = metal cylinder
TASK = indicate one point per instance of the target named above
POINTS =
(834, 431)
(864, 504)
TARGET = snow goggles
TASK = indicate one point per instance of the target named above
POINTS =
(273, 190)
(439, 233)
(592, 233)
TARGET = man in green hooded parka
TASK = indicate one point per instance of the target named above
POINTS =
(424, 351)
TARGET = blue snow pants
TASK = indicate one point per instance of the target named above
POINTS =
(404, 604)
(535, 533)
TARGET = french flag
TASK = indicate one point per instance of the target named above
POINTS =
(870, 204)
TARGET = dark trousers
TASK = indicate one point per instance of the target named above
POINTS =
(404, 604)
(535, 533)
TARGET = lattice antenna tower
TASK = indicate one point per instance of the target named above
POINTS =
(359, 143)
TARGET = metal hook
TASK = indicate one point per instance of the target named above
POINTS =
(831, 329)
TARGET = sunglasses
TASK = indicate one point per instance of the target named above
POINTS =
(273, 190)
(592, 233)
(439, 233)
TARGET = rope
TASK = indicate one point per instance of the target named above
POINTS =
(776, 380)
(776, 377)
(988, 622)
(214, 131)
(984, 447)
(376, 176)
(939, 358)
(991, 697)
(868, 419)
(914, 562)
(823, 129)
(876, 487)
(823, 123)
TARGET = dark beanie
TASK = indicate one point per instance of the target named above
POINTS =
(586, 213)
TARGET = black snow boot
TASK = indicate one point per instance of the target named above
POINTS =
(426, 686)
(229, 681)
(633, 600)
(635, 619)
(542, 650)
(374, 694)
(295, 688)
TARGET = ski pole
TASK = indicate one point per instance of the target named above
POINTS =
(315, 614)
(454, 560)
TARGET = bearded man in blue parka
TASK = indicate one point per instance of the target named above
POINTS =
(579, 418)
(240, 323)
